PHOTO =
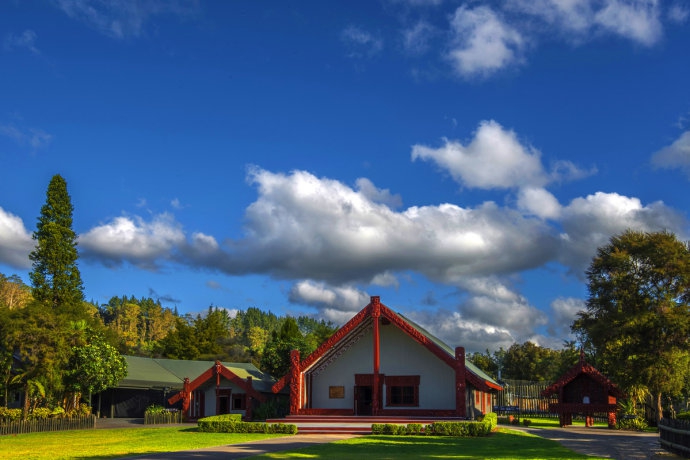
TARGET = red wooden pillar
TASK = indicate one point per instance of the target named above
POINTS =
(375, 316)
(186, 397)
(460, 385)
(295, 383)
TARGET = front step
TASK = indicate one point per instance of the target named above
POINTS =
(324, 424)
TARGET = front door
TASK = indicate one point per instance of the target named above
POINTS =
(363, 399)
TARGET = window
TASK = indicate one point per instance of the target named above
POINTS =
(402, 390)
(238, 402)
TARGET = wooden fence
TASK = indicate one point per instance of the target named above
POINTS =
(48, 424)
(524, 398)
(163, 418)
(674, 436)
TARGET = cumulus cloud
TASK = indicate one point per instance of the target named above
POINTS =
(637, 20)
(539, 202)
(25, 40)
(495, 158)
(360, 42)
(589, 223)
(133, 240)
(123, 19)
(369, 190)
(15, 241)
(337, 304)
(455, 330)
(300, 224)
(482, 42)
(563, 312)
(494, 304)
(676, 155)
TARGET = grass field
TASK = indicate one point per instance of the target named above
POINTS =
(115, 443)
(503, 444)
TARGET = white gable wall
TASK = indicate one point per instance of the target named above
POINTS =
(402, 355)
(358, 359)
(399, 355)
(210, 396)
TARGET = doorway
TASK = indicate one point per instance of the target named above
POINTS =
(363, 399)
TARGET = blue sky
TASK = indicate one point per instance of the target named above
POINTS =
(463, 160)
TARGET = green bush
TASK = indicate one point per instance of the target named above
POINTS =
(635, 423)
(683, 415)
(232, 423)
(415, 429)
(10, 415)
(274, 408)
(39, 413)
(470, 429)
(155, 410)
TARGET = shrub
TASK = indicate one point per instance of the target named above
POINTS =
(683, 415)
(271, 409)
(415, 429)
(232, 423)
(155, 410)
(40, 413)
(631, 423)
(526, 422)
(10, 415)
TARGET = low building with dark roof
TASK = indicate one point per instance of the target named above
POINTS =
(200, 388)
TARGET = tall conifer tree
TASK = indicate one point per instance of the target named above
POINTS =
(55, 277)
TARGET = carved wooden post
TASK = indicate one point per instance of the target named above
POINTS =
(186, 396)
(295, 383)
(248, 400)
(460, 385)
(375, 316)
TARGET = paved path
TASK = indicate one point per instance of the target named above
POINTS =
(602, 442)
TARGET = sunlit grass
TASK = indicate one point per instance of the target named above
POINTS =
(113, 443)
(503, 444)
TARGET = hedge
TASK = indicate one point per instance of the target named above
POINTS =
(232, 423)
(470, 428)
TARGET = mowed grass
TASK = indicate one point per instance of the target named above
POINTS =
(114, 443)
(502, 444)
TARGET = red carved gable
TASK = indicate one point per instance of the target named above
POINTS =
(364, 317)
(582, 367)
(217, 370)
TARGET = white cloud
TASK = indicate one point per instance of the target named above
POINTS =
(563, 312)
(539, 202)
(637, 20)
(589, 223)
(495, 158)
(25, 136)
(134, 240)
(416, 38)
(15, 241)
(482, 42)
(360, 42)
(567, 15)
(25, 40)
(299, 225)
(493, 303)
(337, 304)
(376, 195)
(455, 330)
(123, 19)
(676, 155)
(678, 13)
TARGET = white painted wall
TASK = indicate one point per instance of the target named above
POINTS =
(359, 359)
(400, 355)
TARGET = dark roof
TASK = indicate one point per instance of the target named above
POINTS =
(583, 368)
(158, 373)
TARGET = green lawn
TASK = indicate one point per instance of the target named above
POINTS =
(503, 444)
(114, 443)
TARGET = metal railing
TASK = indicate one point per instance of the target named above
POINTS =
(674, 436)
(48, 424)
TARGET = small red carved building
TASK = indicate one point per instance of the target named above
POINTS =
(381, 363)
(583, 390)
